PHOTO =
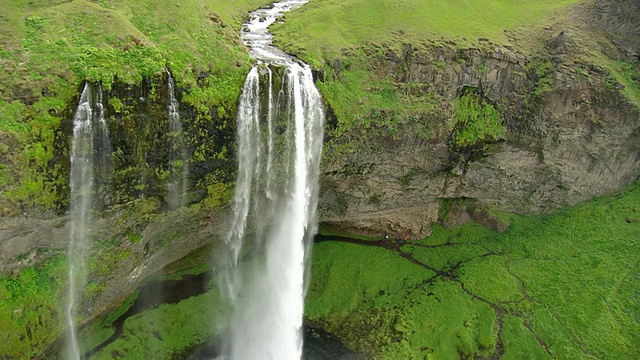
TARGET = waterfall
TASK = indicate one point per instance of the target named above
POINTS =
(279, 144)
(178, 170)
(90, 146)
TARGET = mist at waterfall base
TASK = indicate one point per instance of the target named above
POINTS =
(90, 152)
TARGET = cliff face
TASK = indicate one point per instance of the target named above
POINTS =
(571, 135)
(618, 20)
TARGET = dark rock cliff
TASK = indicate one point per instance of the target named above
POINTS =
(571, 134)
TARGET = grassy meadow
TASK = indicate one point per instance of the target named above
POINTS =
(323, 28)
(562, 286)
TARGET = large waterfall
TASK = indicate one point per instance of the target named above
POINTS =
(90, 146)
(279, 142)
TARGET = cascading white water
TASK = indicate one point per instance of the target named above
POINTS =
(279, 148)
(90, 143)
(177, 181)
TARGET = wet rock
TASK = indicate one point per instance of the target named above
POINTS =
(489, 220)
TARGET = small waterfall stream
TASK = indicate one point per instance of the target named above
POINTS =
(177, 181)
(90, 147)
(279, 147)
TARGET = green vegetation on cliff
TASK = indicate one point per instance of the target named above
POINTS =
(396, 67)
(33, 296)
(562, 286)
(364, 50)
(476, 121)
(47, 48)
(30, 309)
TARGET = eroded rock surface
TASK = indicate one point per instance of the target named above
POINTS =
(572, 134)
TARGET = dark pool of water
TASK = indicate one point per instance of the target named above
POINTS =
(318, 345)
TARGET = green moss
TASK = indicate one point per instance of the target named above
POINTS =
(50, 47)
(520, 342)
(364, 103)
(219, 194)
(30, 309)
(488, 278)
(168, 331)
(133, 237)
(628, 75)
(108, 255)
(544, 71)
(116, 104)
(475, 122)
(99, 331)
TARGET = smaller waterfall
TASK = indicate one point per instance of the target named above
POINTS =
(178, 168)
(102, 152)
(90, 147)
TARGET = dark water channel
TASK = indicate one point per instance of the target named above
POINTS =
(153, 294)
(318, 344)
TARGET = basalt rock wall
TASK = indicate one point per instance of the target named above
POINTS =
(571, 135)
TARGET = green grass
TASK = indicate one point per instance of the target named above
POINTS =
(322, 28)
(30, 309)
(628, 75)
(563, 286)
(184, 36)
(167, 331)
(370, 104)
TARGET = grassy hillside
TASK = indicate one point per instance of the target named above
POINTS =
(322, 28)
(563, 286)
(182, 35)
(48, 47)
